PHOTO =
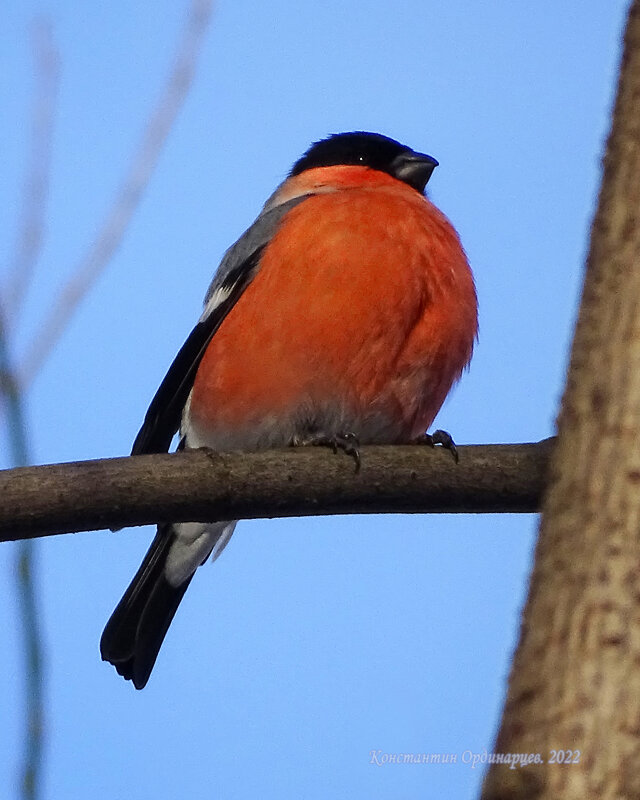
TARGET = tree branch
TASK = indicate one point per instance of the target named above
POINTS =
(202, 485)
(129, 195)
(33, 218)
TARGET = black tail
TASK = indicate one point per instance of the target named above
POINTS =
(133, 635)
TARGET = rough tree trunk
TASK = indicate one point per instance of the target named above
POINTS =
(575, 683)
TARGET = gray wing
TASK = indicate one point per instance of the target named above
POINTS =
(236, 271)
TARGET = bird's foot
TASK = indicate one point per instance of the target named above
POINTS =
(347, 442)
(441, 438)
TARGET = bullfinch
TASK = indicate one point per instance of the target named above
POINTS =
(342, 316)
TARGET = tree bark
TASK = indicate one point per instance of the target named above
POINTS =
(575, 682)
(202, 485)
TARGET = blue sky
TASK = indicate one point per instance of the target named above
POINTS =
(310, 642)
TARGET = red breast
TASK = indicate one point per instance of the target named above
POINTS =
(364, 300)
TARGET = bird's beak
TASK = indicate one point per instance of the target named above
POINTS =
(414, 168)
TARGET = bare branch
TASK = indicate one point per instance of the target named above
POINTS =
(203, 485)
(131, 191)
(28, 601)
(28, 247)
(32, 220)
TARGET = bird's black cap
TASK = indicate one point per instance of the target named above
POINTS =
(369, 150)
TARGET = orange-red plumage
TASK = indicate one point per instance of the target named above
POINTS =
(364, 298)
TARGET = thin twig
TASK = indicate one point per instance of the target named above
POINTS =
(135, 183)
(20, 273)
(36, 190)
(27, 595)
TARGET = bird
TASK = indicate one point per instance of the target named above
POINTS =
(341, 317)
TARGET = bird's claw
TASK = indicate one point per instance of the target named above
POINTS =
(347, 442)
(441, 438)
